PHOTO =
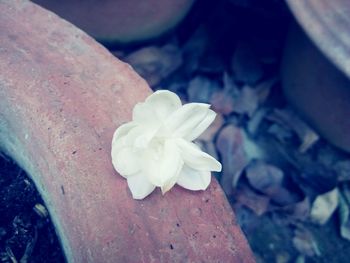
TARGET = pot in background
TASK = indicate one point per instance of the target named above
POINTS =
(315, 73)
(121, 21)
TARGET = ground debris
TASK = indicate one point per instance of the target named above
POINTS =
(305, 242)
(324, 207)
(155, 63)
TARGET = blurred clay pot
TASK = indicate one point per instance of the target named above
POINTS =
(121, 21)
(315, 73)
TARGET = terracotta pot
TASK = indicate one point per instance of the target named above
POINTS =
(121, 21)
(62, 97)
(318, 87)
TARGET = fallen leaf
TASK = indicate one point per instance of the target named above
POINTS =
(255, 121)
(262, 176)
(342, 169)
(344, 216)
(300, 259)
(257, 203)
(248, 101)
(299, 211)
(324, 206)
(154, 63)
(282, 257)
(305, 243)
(200, 89)
(222, 102)
(263, 89)
(268, 179)
(280, 132)
(230, 146)
(289, 119)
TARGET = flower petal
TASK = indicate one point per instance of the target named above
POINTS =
(125, 161)
(197, 159)
(193, 179)
(143, 113)
(120, 133)
(156, 108)
(163, 103)
(162, 163)
(139, 186)
(183, 121)
(202, 126)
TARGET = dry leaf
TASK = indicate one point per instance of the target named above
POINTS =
(247, 102)
(230, 146)
(200, 89)
(344, 216)
(257, 203)
(305, 243)
(262, 176)
(299, 210)
(268, 179)
(223, 100)
(255, 121)
(342, 169)
(289, 119)
(324, 206)
(154, 63)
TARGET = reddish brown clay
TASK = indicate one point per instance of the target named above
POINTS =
(62, 97)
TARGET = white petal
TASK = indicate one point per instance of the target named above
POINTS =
(183, 121)
(139, 186)
(120, 133)
(163, 103)
(202, 126)
(193, 179)
(143, 113)
(197, 159)
(157, 107)
(162, 163)
(125, 161)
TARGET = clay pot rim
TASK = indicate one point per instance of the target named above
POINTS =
(319, 18)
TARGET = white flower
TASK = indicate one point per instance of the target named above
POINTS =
(156, 148)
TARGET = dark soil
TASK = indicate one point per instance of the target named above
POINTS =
(26, 235)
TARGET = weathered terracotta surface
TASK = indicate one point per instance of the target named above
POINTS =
(317, 89)
(121, 21)
(62, 96)
(327, 23)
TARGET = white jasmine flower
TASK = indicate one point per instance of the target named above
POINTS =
(155, 149)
